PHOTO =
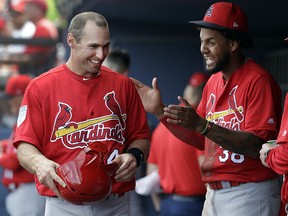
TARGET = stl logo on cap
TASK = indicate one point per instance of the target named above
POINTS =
(209, 11)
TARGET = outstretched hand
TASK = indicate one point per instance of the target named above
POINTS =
(184, 115)
(151, 97)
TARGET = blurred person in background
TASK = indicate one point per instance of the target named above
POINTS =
(18, 27)
(23, 198)
(43, 56)
(40, 53)
(175, 166)
(119, 61)
(22, 28)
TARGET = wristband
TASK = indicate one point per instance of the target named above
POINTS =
(138, 154)
(207, 128)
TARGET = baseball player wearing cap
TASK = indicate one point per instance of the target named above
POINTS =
(38, 58)
(177, 165)
(76, 104)
(22, 28)
(23, 198)
(230, 116)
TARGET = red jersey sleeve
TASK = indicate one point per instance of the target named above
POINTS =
(277, 158)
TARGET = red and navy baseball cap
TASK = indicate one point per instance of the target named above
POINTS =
(16, 85)
(226, 16)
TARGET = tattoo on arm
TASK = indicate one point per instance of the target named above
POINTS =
(239, 142)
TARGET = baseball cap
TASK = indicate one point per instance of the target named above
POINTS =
(40, 3)
(226, 16)
(198, 78)
(16, 85)
(18, 6)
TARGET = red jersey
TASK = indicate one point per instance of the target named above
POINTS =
(177, 163)
(248, 101)
(62, 112)
(13, 172)
(277, 158)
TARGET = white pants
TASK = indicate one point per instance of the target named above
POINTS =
(60, 207)
(250, 199)
(25, 200)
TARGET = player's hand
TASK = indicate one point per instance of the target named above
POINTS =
(127, 169)
(185, 116)
(263, 152)
(151, 97)
(46, 174)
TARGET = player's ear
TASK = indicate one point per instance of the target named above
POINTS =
(234, 45)
(70, 40)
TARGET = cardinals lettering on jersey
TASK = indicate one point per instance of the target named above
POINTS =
(79, 134)
(228, 118)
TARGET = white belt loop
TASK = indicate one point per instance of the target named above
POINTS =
(225, 184)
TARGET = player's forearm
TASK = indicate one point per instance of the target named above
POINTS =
(29, 157)
(240, 142)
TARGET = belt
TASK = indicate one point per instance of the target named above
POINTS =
(223, 184)
(113, 196)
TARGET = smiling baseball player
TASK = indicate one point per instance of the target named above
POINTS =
(74, 105)
(232, 121)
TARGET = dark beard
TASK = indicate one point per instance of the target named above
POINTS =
(219, 65)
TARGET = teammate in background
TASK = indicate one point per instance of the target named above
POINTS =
(177, 164)
(38, 58)
(230, 120)
(274, 155)
(54, 102)
(22, 27)
(118, 60)
(19, 28)
(23, 198)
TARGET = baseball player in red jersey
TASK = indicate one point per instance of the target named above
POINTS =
(230, 115)
(78, 103)
(39, 58)
(23, 198)
(274, 156)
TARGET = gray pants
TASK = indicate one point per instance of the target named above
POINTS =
(25, 201)
(250, 199)
(59, 207)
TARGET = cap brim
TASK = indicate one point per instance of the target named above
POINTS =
(246, 42)
(207, 25)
